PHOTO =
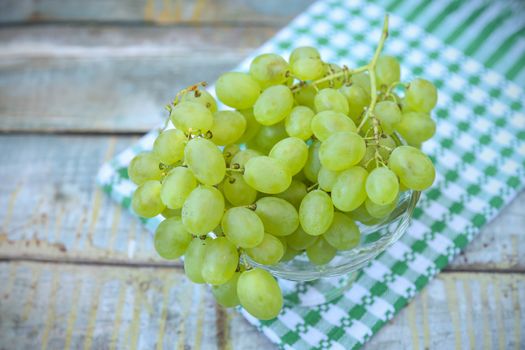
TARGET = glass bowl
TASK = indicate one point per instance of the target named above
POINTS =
(307, 284)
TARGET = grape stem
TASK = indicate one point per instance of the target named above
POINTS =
(312, 187)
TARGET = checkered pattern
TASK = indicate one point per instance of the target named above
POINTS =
(479, 153)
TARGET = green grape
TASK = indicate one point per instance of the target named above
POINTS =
(228, 127)
(305, 96)
(259, 294)
(177, 186)
(358, 99)
(416, 127)
(267, 137)
(386, 145)
(169, 213)
(289, 254)
(237, 90)
(267, 175)
(320, 252)
(244, 156)
(274, 104)
(335, 83)
(194, 259)
(269, 69)
(226, 293)
(169, 146)
(191, 117)
(229, 151)
(308, 68)
(421, 95)
(279, 217)
(294, 194)
(327, 178)
(237, 191)
(414, 169)
(316, 212)
(143, 167)
(304, 52)
(252, 127)
(326, 123)
(387, 71)
(293, 152)
(297, 124)
(342, 150)
(331, 100)
(343, 234)
(363, 81)
(202, 97)
(368, 159)
(379, 211)
(382, 186)
(349, 192)
(313, 163)
(300, 240)
(362, 215)
(268, 252)
(220, 261)
(146, 200)
(171, 238)
(388, 114)
(205, 160)
(242, 227)
(203, 210)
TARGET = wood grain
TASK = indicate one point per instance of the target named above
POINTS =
(54, 305)
(151, 11)
(53, 209)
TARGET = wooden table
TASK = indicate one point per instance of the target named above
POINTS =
(81, 81)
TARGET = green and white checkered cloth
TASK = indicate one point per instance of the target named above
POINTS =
(479, 149)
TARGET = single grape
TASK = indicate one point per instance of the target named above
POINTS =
(289, 254)
(343, 234)
(220, 261)
(269, 69)
(229, 151)
(382, 186)
(143, 167)
(252, 127)
(387, 71)
(304, 52)
(294, 194)
(279, 217)
(293, 152)
(349, 192)
(171, 238)
(362, 215)
(421, 95)
(316, 212)
(237, 90)
(363, 81)
(273, 105)
(267, 137)
(205, 160)
(268, 252)
(313, 163)
(327, 178)
(259, 294)
(267, 175)
(194, 259)
(202, 97)
(300, 240)
(226, 293)
(379, 211)
(306, 96)
(386, 145)
(146, 200)
(342, 150)
(244, 156)
(237, 191)
(228, 127)
(335, 83)
(308, 68)
(169, 213)
(388, 114)
(326, 123)
(414, 169)
(320, 252)
(416, 127)
(358, 99)
(368, 161)
(203, 210)
(191, 117)
(169, 146)
(242, 227)
(177, 186)
(297, 124)
(331, 100)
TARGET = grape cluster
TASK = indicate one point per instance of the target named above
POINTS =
(308, 148)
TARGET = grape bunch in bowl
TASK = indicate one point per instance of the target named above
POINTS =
(310, 171)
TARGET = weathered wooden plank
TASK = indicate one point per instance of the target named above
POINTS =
(52, 209)
(78, 306)
(109, 79)
(151, 11)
